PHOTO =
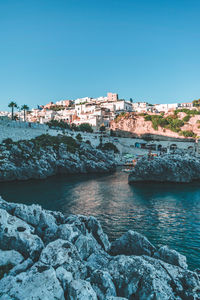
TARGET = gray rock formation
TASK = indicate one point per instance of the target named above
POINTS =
(46, 255)
(171, 256)
(46, 156)
(168, 167)
(132, 243)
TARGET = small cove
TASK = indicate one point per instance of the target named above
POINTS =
(167, 214)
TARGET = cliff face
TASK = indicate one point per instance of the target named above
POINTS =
(46, 156)
(46, 255)
(135, 125)
(168, 167)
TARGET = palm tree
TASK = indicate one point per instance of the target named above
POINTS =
(12, 105)
(24, 108)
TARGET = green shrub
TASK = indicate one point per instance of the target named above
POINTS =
(8, 141)
(157, 120)
(196, 103)
(188, 133)
(45, 140)
(171, 122)
(147, 118)
(120, 116)
(176, 112)
(79, 137)
(102, 128)
(188, 111)
(109, 147)
(74, 127)
(57, 107)
(186, 118)
(85, 127)
(60, 124)
(175, 124)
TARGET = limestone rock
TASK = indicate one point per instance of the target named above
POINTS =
(17, 235)
(146, 277)
(30, 214)
(64, 253)
(81, 290)
(94, 227)
(79, 265)
(49, 159)
(33, 284)
(22, 267)
(64, 277)
(132, 243)
(68, 232)
(171, 256)
(86, 245)
(11, 257)
(97, 261)
(8, 260)
(168, 167)
(58, 252)
(102, 284)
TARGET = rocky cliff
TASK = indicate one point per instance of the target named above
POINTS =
(168, 167)
(47, 155)
(132, 124)
(46, 255)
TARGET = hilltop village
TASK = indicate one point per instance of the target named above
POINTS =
(95, 111)
(159, 127)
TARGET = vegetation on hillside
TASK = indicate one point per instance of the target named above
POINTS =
(196, 103)
(108, 147)
(57, 107)
(85, 127)
(58, 124)
(188, 133)
(79, 137)
(120, 116)
(190, 112)
(172, 122)
(44, 141)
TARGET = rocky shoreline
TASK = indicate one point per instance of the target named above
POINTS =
(48, 155)
(177, 168)
(47, 255)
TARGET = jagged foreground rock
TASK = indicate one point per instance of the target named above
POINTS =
(45, 255)
(46, 156)
(168, 167)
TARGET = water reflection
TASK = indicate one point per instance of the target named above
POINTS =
(165, 213)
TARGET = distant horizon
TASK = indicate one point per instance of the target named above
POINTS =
(54, 50)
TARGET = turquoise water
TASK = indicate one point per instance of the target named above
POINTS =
(165, 213)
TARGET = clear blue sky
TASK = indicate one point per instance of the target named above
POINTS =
(54, 49)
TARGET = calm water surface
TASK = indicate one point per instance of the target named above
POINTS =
(165, 213)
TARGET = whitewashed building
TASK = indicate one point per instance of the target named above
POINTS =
(83, 100)
(166, 107)
(140, 107)
(120, 105)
